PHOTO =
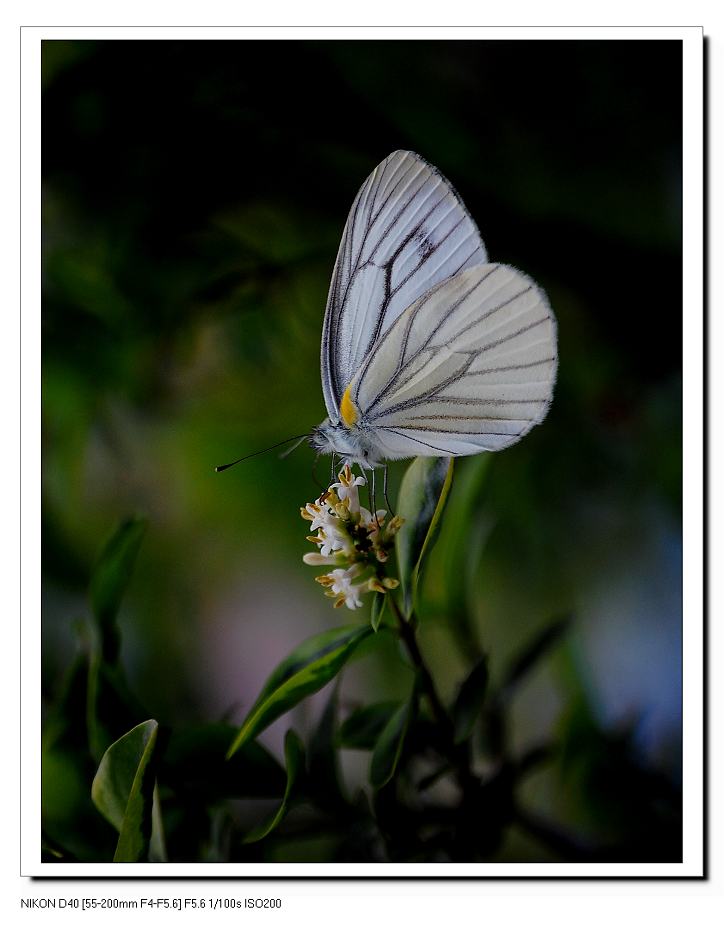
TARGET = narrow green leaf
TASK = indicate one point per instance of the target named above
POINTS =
(110, 707)
(322, 757)
(305, 653)
(470, 700)
(62, 722)
(294, 758)
(138, 839)
(461, 545)
(379, 602)
(53, 851)
(157, 845)
(305, 671)
(110, 579)
(97, 735)
(423, 494)
(535, 757)
(428, 781)
(388, 750)
(363, 727)
(533, 652)
(50, 853)
(123, 787)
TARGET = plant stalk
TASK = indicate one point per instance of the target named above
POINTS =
(457, 753)
(407, 634)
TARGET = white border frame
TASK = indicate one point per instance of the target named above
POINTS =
(693, 863)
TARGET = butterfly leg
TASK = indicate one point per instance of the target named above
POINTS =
(370, 487)
(374, 502)
(384, 490)
(332, 475)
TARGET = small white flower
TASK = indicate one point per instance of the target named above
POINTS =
(346, 488)
(341, 585)
(350, 538)
(369, 522)
(316, 558)
(334, 538)
(331, 534)
(318, 513)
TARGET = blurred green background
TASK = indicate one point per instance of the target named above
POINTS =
(194, 197)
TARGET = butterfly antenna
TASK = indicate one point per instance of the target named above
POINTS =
(262, 451)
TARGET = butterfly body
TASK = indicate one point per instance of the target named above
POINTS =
(427, 347)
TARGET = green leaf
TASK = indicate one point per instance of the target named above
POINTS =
(110, 579)
(308, 669)
(423, 494)
(294, 758)
(428, 781)
(110, 707)
(379, 602)
(62, 722)
(533, 652)
(123, 790)
(363, 727)
(470, 700)
(50, 851)
(157, 845)
(195, 764)
(461, 544)
(388, 750)
(323, 763)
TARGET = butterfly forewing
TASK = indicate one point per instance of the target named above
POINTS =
(407, 232)
(469, 367)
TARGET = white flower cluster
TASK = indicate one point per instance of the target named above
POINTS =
(351, 538)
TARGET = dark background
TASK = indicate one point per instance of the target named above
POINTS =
(194, 196)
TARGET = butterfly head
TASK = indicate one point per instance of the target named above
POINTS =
(336, 438)
(349, 442)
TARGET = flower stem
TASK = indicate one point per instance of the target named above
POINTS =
(458, 754)
(407, 634)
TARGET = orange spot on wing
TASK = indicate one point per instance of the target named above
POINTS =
(347, 408)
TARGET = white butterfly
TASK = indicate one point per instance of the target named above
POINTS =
(427, 348)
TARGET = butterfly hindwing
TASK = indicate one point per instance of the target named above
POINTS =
(470, 366)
